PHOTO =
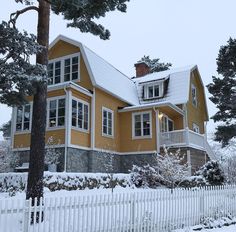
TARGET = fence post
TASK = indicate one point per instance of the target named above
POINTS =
(26, 216)
(133, 199)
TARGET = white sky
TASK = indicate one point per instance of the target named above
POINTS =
(182, 32)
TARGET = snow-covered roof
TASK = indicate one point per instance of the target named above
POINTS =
(178, 86)
(104, 75)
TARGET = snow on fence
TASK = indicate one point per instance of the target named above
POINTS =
(132, 210)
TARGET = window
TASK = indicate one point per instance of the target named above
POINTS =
(80, 114)
(194, 95)
(142, 125)
(63, 69)
(107, 122)
(153, 91)
(196, 128)
(166, 124)
(56, 113)
(23, 118)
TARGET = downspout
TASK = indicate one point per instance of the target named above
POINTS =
(157, 130)
(93, 113)
(68, 123)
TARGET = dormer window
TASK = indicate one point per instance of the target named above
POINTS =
(153, 90)
(64, 69)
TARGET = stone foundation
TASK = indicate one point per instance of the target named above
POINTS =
(79, 160)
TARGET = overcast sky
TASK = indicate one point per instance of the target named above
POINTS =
(182, 32)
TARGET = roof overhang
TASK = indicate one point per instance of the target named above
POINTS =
(153, 105)
(69, 84)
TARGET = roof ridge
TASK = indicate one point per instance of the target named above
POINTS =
(108, 63)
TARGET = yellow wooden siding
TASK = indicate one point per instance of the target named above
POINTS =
(105, 100)
(80, 138)
(197, 114)
(135, 145)
(62, 48)
(22, 140)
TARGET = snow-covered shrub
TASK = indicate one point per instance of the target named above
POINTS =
(145, 176)
(171, 168)
(52, 154)
(193, 181)
(212, 172)
(8, 159)
(16, 182)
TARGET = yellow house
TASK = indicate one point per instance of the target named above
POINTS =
(98, 116)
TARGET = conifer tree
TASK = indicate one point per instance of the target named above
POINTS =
(21, 79)
(224, 93)
(154, 64)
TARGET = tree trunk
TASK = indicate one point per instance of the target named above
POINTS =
(37, 147)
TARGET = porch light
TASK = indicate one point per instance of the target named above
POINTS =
(160, 115)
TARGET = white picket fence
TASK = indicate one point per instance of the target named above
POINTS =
(134, 210)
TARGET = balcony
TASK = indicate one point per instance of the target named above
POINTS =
(186, 138)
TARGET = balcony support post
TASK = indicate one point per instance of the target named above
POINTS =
(157, 130)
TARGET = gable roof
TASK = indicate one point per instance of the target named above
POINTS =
(103, 75)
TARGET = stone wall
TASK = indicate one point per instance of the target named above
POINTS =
(79, 160)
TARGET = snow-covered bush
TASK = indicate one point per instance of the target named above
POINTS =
(145, 176)
(16, 182)
(52, 154)
(212, 172)
(171, 168)
(193, 181)
(8, 159)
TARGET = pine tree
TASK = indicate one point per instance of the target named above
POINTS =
(81, 14)
(154, 64)
(224, 93)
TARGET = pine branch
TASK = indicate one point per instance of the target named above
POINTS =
(14, 16)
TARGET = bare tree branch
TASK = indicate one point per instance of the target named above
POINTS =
(15, 15)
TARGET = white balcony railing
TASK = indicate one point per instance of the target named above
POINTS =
(186, 138)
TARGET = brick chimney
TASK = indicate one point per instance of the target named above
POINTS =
(142, 69)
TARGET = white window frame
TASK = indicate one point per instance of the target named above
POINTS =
(168, 119)
(133, 125)
(194, 97)
(196, 128)
(22, 119)
(153, 84)
(112, 122)
(48, 111)
(62, 60)
(84, 103)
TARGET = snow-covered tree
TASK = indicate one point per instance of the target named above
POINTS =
(154, 64)
(81, 14)
(8, 159)
(52, 154)
(224, 93)
(6, 129)
(212, 172)
(171, 167)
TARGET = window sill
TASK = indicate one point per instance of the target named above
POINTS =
(108, 136)
(80, 130)
(22, 132)
(141, 137)
(55, 128)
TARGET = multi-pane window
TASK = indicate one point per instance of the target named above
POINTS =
(80, 114)
(54, 72)
(194, 95)
(153, 91)
(56, 113)
(166, 124)
(71, 68)
(23, 118)
(142, 124)
(63, 69)
(107, 122)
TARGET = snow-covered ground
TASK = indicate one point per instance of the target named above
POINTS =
(231, 228)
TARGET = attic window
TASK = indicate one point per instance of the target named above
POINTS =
(152, 91)
(194, 95)
(64, 69)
